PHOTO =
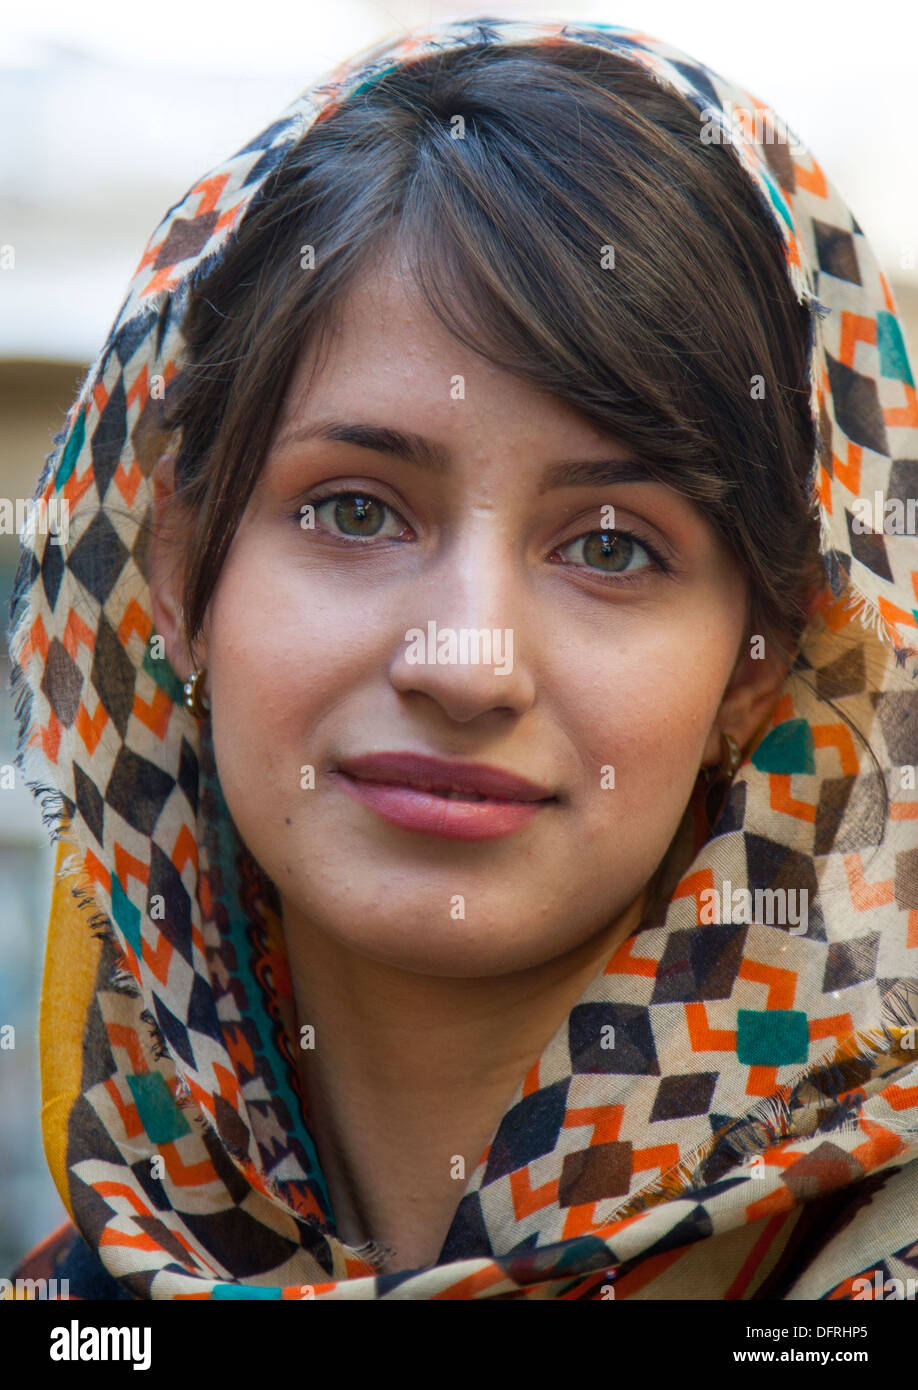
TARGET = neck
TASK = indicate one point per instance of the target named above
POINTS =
(411, 1074)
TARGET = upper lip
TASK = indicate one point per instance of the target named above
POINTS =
(440, 774)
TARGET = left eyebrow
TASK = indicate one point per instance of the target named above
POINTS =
(425, 453)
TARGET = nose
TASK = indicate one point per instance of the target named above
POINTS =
(463, 646)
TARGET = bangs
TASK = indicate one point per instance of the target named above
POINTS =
(561, 217)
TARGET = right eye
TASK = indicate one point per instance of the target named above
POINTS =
(358, 515)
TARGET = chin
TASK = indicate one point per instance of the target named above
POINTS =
(493, 939)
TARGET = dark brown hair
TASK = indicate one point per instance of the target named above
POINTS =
(567, 151)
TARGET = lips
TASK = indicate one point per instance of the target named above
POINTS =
(433, 796)
(439, 775)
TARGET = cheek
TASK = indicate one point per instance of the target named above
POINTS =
(645, 716)
(281, 654)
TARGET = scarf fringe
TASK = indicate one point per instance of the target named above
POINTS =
(373, 1253)
(30, 757)
(772, 1120)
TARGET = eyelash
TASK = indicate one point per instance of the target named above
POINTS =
(659, 562)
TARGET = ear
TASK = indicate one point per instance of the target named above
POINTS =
(167, 572)
(750, 696)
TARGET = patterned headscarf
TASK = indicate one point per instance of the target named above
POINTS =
(758, 1072)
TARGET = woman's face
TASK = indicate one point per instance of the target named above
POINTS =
(609, 655)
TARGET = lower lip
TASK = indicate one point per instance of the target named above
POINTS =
(429, 814)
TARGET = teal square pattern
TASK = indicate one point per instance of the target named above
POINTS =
(772, 1037)
(235, 1291)
(159, 1114)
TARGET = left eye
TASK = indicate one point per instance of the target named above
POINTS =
(611, 552)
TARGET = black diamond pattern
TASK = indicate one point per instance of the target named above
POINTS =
(844, 676)
(684, 1095)
(857, 406)
(903, 481)
(699, 964)
(173, 1030)
(898, 712)
(98, 557)
(113, 675)
(138, 790)
(850, 962)
(836, 251)
(527, 1131)
(175, 923)
(52, 571)
(62, 682)
(89, 802)
(632, 1052)
(869, 549)
(109, 436)
(771, 865)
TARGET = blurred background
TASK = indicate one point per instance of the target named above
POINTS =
(109, 113)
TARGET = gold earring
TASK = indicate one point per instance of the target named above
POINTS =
(730, 756)
(195, 700)
(718, 778)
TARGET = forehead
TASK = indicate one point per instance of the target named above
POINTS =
(386, 358)
(381, 319)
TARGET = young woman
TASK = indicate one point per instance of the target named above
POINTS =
(488, 849)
